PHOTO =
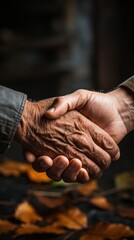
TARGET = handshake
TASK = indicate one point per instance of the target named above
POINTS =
(75, 137)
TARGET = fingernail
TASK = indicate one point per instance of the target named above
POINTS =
(83, 176)
(61, 164)
(51, 109)
(73, 167)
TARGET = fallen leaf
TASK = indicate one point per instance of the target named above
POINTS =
(101, 202)
(125, 179)
(111, 231)
(71, 218)
(87, 236)
(13, 168)
(26, 213)
(64, 221)
(51, 202)
(6, 226)
(38, 177)
(88, 188)
(58, 223)
(78, 216)
(26, 229)
(125, 211)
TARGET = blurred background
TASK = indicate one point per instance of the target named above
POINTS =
(50, 48)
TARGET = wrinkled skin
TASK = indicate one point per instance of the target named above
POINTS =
(72, 135)
(113, 112)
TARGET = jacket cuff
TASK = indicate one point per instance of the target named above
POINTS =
(11, 107)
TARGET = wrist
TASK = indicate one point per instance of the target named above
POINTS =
(125, 105)
(21, 131)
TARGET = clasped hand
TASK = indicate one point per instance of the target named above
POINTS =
(80, 149)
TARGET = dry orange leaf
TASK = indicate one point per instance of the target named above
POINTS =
(88, 188)
(6, 226)
(71, 218)
(64, 221)
(101, 202)
(26, 229)
(26, 213)
(13, 168)
(51, 202)
(59, 222)
(38, 177)
(78, 216)
(111, 231)
(87, 236)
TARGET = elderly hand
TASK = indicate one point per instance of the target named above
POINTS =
(113, 111)
(72, 135)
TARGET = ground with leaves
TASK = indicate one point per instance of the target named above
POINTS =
(32, 205)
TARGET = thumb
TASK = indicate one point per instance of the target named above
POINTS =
(61, 105)
(29, 157)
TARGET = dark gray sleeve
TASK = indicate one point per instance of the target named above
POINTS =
(11, 107)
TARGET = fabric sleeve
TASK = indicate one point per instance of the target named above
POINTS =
(129, 84)
(11, 107)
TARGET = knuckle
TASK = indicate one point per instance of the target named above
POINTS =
(59, 99)
(108, 143)
(110, 147)
(93, 150)
(79, 92)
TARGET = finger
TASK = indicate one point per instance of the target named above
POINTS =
(60, 163)
(63, 104)
(100, 157)
(93, 169)
(93, 152)
(89, 164)
(83, 176)
(71, 172)
(105, 141)
(58, 108)
(30, 157)
(42, 163)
